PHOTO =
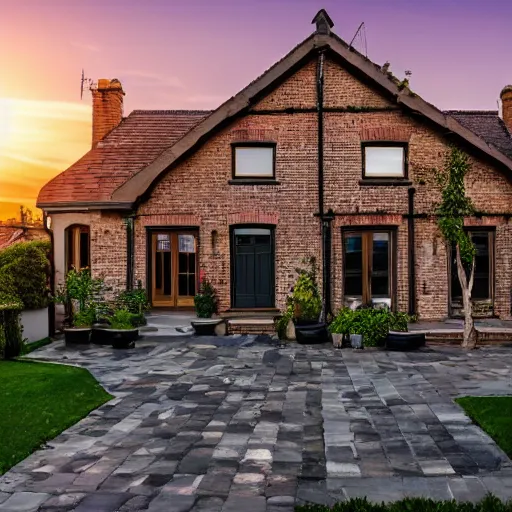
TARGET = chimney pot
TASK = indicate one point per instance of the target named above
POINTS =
(107, 108)
(506, 106)
(323, 22)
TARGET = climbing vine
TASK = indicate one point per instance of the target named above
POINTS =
(454, 206)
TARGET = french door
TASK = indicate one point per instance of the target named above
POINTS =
(368, 267)
(173, 268)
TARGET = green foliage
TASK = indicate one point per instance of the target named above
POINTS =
(135, 301)
(122, 319)
(11, 338)
(30, 347)
(455, 205)
(84, 318)
(25, 273)
(205, 301)
(84, 296)
(373, 323)
(304, 302)
(38, 401)
(492, 414)
(489, 504)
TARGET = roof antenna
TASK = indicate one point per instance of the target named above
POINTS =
(83, 80)
(361, 32)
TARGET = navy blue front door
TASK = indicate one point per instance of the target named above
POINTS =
(253, 272)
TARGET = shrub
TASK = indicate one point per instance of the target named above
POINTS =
(304, 302)
(83, 295)
(11, 339)
(205, 301)
(25, 273)
(489, 504)
(135, 301)
(122, 319)
(373, 323)
(84, 318)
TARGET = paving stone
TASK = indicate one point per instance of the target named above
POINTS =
(24, 502)
(172, 503)
(236, 503)
(103, 502)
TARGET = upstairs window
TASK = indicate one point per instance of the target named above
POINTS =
(254, 161)
(77, 247)
(384, 160)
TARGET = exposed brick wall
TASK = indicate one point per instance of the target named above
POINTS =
(197, 193)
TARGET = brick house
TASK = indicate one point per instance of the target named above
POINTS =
(326, 154)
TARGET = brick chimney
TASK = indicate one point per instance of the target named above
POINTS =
(506, 106)
(107, 108)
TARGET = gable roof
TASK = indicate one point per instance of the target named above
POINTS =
(127, 149)
(119, 183)
(488, 125)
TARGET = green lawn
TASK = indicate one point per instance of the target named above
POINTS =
(494, 415)
(38, 401)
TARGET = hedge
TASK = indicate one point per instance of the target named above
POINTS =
(11, 339)
(489, 504)
(25, 272)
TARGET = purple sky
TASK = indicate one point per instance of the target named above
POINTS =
(197, 53)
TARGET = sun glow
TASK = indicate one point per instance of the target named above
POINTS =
(38, 140)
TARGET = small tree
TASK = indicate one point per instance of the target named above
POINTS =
(454, 206)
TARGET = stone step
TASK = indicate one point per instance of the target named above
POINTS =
(250, 325)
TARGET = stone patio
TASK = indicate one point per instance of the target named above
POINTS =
(253, 426)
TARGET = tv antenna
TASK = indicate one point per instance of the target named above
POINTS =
(360, 35)
(83, 80)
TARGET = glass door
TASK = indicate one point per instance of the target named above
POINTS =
(174, 269)
(367, 267)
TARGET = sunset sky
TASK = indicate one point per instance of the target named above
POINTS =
(195, 54)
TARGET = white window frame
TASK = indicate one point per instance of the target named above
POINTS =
(367, 162)
(240, 147)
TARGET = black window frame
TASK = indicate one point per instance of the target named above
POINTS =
(270, 179)
(381, 179)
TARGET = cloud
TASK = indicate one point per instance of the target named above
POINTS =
(10, 107)
(148, 79)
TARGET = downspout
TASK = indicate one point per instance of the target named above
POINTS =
(323, 224)
(412, 258)
(130, 250)
(51, 305)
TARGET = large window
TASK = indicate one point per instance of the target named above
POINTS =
(483, 282)
(367, 257)
(77, 247)
(384, 160)
(255, 160)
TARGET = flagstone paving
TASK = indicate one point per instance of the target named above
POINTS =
(250, 425)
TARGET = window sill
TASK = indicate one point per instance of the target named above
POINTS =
(248, 181)
(385, 182)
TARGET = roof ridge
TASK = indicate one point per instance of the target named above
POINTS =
(473, 112)
(171, 111)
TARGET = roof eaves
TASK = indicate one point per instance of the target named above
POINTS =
(84, 206)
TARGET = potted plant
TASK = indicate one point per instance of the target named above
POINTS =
(77, 294)
(205, 303)
(136, 302)
(307, 307)
(122, 332)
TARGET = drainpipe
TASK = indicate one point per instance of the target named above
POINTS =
(324, 225)
(51, 305)
(412, 258)
(130, 250)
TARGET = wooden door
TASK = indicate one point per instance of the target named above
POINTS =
(253, 272)
(174, 268)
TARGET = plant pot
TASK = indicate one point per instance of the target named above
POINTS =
(311, 334)
(305, 323)
(205, 326)
(122, 338)
(100, 336)
(77, 335)
(405, 341)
